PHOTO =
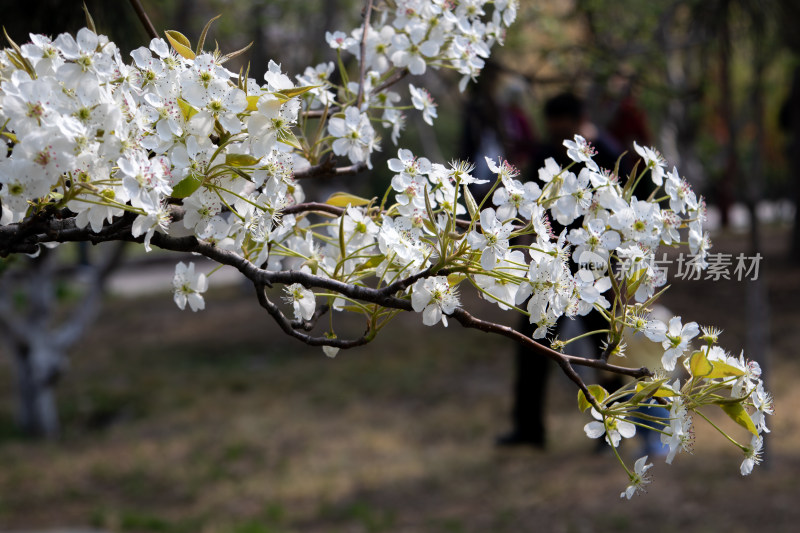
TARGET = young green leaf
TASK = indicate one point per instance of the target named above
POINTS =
(186, 186)
(739, 415)
(240, 160)
(598, 392)
(343, 199)
(699, 365)
(89, 20)
(202, 40)
(645, 392)
(180, 43)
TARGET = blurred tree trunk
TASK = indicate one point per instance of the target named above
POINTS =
(731, 167)
(38, 347)
(794, 148)
(788, 21)
(38, 371)
(117, 20)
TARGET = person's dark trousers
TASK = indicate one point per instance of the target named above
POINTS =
(530, 392)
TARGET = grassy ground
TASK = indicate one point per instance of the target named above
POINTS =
(217, 422)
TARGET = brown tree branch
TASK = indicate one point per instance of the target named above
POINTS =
(142, 14)
(286, 326)
(392, 80)
(308, 325)
(328, 169)
(314, 206)
(66, 231)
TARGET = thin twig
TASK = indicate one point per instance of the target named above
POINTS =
(328, 169)
(148, 26)
(314, 206)
(319, 113)
(286, 326)
(469, 321)
(308, 325)
(392, 80)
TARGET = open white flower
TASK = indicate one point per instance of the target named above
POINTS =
(302, 300)
(676, 341)
(639, 478)
(752, 456)
(615, 428)
(422, 100)
(188, 286)
(492, 241)
(434, 298)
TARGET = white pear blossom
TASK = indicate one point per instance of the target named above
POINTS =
(653, 161)
(421, 99)
(639, 478)
(302, 300)
(581, 151)
(615, 428)
(189, 286)
(752, 455)
(434, 298)
(492, 241)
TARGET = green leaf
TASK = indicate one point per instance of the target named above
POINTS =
(597, 391)
(631, 178)
(662, 391)
(429, 210)
(724, 370)
(287, 137)
(19, 60)
(472, 205)
(89, 20)
(635, 281)
(252, 102)
(237, 53)
(739, 415)
(202, 40)
(187, 109)
(286, 94)
(240, 160)
(180, 43)
(699, 365)
(372, 262)
(455, 278)
(343, 199)
(646, 391)
(430, 227)
(186, 186)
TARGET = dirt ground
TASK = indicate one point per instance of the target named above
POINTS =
(216, 422)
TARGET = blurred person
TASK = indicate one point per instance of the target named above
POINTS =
(494, 128)
(564, 117)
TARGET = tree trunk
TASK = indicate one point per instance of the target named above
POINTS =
(794, 124)
(37, 374)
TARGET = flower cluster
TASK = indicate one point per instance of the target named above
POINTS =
(174, 146)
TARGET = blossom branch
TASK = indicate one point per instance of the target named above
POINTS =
(66, 232)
